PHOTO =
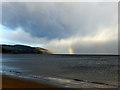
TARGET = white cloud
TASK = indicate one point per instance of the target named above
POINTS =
(104, 38)
(19, 36)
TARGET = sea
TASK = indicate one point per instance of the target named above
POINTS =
(65, 70)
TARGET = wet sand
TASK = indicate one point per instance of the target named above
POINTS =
(13, 82)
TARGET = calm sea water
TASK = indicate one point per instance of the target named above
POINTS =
(65, 70)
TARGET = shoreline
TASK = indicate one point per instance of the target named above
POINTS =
(17, 82)
(9, 81)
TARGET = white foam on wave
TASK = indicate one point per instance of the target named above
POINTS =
(59, 80)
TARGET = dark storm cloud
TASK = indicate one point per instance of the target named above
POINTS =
(57, 20)
(86, 27)
(36, 20)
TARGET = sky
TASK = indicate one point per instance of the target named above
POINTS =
(86, 27)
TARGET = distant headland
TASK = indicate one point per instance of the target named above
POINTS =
(22, 49)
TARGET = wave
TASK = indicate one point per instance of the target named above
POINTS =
(56, 80)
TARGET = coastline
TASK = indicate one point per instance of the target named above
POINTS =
(40, 73)
(10, 81)
(16, 82)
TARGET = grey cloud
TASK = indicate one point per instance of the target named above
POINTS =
(81, 47)
(106, 44)
(38, 22)
(58, 20)
(101, 48)
(86, 27)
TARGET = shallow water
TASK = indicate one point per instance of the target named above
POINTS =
(66, 70)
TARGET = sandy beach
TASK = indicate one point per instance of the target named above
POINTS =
(13, 82)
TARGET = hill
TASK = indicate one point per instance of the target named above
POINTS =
(23, 49)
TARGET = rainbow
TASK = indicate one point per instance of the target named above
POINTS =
(71, 51)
